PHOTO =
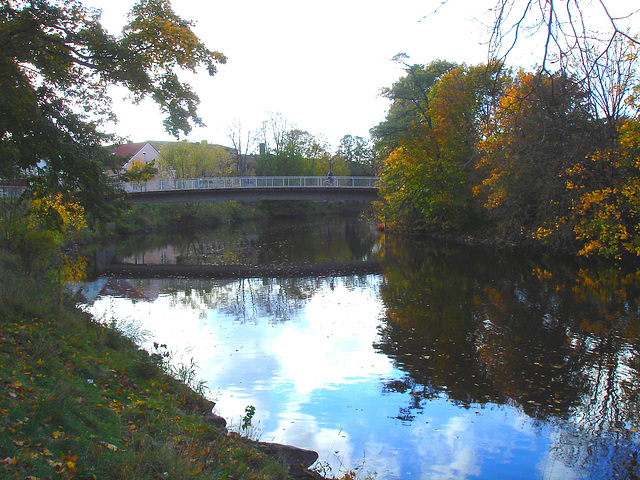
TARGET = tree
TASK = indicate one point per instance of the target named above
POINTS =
(309, 152)
(195, 160)
(358, 154)
(301, 143)
(272, 133)
(609, 74)
(408, 118)
(541, 126)
(607, 182)
(56, 65)
(433, 126)
(243, 143)
(462, 104)
(139, 172)
(568, 30)
(287, 150)
(421, 192)
(589, 40)
(272, 137)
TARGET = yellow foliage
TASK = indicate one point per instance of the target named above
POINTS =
(74, 268)
(601, 224)
(71, 214)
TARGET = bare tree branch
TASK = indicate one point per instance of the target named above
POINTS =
(566, 31)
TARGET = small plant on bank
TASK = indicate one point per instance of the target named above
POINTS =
(249, 412)
(248, 429)
(356, 472)
(184, 372)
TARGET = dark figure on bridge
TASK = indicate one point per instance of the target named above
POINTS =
(330, 178)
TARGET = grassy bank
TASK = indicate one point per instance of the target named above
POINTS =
(81, 400)
(78, 398)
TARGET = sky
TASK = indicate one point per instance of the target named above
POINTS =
(320, 65)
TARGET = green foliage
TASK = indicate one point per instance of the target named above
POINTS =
(422, 193)
(296, 152)
(195, 160)
(56, 65)
(358, 154)
(249, 413)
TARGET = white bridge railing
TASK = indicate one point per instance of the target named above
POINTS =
(11, 190)
(157, 185)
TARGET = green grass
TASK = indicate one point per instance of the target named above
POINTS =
(80, 400)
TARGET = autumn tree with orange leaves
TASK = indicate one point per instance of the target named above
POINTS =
(526, 158)
(429, 141)
(540, 127)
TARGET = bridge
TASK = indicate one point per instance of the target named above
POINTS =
(252, 189)
(11, 191)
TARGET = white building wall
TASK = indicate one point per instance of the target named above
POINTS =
(146, 154)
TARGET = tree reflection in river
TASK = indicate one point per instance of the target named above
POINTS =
(478, 327)
(445, 362)
(255, 243)
(294, 242)
(245, 300)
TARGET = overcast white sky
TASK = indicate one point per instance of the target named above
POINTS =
(320, 64)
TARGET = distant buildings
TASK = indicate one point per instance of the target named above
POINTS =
(145, 152)
(149, 151)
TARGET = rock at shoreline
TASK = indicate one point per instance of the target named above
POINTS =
(294, 457)
(215, 420)
(297, 459)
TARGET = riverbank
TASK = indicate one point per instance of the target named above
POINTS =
(79, 399)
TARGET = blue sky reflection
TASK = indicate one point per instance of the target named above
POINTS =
(309, 367)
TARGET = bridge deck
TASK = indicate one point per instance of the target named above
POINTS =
(251, 189)
(163, 184)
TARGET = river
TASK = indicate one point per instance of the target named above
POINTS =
(409, 359)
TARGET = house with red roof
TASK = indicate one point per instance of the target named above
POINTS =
(145, 152)
(149, 151)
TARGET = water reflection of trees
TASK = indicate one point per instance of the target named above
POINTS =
(245, 300)
(557, 340)
(251, 243)
(292, 241)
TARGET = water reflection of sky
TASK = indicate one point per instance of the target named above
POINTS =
(317, 381)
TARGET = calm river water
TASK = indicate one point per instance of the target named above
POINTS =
(412, 360)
